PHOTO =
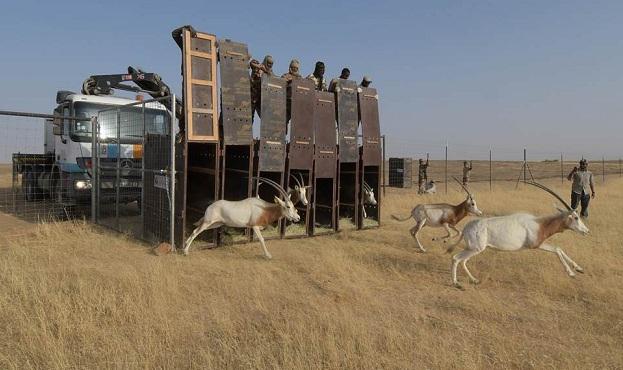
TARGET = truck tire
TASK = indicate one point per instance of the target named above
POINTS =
(28, 186)
(62, 210)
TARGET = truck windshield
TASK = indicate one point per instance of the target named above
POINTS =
(130, 121)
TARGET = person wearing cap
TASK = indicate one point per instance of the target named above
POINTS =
(582, 183)
(318, 77)
(365, 82)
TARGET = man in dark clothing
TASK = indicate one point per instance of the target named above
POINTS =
(582, 184)
(318, 77)
(343, 76)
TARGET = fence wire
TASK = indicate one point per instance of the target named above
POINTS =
(494, 165)
(36, 183)
(134, 167)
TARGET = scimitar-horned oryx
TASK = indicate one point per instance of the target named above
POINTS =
(441, 215)
(252, 212)
(516, 232)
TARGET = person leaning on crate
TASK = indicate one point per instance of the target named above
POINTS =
(582, 182)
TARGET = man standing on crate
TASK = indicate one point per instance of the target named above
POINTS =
(582, 182)
(422, 178)
(467, 171)
(257, 70)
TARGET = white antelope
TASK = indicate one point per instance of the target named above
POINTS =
(441, 215)
(251, 212)
(516, 232)
(368, 198)
(299, 193)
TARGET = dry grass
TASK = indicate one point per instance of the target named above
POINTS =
(74, 297)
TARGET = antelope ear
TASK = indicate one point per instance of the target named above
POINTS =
(559, 209)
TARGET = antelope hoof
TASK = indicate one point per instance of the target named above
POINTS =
(459, 286)
(571, 274)
(579, 269)
(421, 250)
(475, 281)
(268, 256)
(185, 251)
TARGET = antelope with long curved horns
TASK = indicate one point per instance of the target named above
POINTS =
(368, 197)
(516, 232)
(441, 215)
(299, 193)
(252, 212)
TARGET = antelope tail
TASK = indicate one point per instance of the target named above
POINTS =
(196, 224)
(458, 241)
(401, 219)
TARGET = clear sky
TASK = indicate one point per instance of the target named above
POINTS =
(547, 75)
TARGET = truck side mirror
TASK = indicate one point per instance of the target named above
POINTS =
(57, 130)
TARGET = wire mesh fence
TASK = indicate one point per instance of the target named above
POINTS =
(133, 164)
(37, 184)
(479, 164)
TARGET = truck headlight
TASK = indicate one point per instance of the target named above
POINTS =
(82, 184)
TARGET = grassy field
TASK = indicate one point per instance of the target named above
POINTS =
(75, 297)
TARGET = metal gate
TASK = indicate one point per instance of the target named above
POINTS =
(134, 170)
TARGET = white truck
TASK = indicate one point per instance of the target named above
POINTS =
(64, 172)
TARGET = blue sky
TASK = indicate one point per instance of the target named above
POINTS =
(547, 75)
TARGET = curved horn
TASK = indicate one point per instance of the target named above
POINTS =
(302, 180)
(463, 186)
(295, 179)
(278, 187)
(367, 187)
(543, 187)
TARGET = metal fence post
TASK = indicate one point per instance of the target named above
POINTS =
(383, 164)
(562, 170)
(94, 169)
(118, 174)
(142, 204)
(172, 175)
(603, 169)
(97, 174)
(525, 164)
(490, 170)
(446, 169)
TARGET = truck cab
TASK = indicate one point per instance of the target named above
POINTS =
(64, 172)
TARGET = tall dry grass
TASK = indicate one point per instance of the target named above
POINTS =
(72, 297)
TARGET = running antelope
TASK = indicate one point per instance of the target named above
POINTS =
(252, 212)
(441, 215)
(368, 198)
(516, 232)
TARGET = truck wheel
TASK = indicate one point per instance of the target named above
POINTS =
(62, 211)
(28, 186)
